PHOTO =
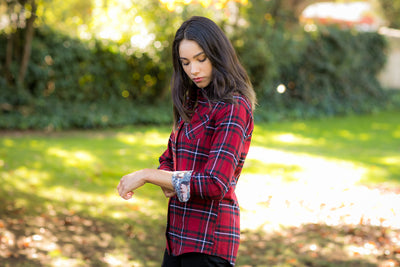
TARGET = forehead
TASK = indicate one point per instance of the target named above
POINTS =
(189, 49)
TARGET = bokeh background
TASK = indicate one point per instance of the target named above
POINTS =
(85, 99)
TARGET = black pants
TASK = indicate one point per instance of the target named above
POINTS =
(194, 260)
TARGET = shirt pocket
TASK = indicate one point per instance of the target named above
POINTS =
(196, 129)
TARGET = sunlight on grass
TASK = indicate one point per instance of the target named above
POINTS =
(292, 138)
(315, 172)
(150, 139)
(351, 136)
(75, 200)
(297, 173)
(23, 179)
(317, 175)
(8, 142)
(79, 174)
(391, 160)
(72, 158)
(312, 169)
(396, 134)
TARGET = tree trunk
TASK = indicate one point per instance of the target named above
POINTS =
(28, 44)
(9, 52)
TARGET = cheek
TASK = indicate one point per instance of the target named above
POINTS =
(186, 70)
(209, 69)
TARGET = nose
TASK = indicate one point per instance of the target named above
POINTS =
(195, 69)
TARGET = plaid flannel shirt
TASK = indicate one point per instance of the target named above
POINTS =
(213, 146)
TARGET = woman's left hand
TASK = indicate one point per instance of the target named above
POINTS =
(129, 183)
(168, 193)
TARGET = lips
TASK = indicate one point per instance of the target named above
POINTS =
(197, 80)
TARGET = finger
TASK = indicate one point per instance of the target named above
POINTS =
(120, 183)
(128, 195)
(121, 191)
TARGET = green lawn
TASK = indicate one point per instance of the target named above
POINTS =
(369, 142)
(59, 205)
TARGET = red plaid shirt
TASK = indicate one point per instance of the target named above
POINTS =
(214, 146)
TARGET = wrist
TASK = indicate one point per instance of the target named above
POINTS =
(146, 174)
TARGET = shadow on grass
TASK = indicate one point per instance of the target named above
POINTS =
(34, 235)
(56, 209)
(320, 245)
(55, 235)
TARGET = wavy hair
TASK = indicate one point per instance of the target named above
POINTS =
(228, 75)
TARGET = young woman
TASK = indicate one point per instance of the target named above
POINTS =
(213, 123)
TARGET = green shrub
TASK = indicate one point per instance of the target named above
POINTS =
(71, 83)
(328, 72)
(76, 84)
(338, 72)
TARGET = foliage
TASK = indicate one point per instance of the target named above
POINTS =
(391, 10)
(328, 79)
(95, 82)
(75, 83)
(320, 70)
(71, 83)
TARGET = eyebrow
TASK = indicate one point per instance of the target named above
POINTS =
(198, 54)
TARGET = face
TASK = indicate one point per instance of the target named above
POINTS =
(195, 63)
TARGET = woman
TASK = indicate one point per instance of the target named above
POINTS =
(213, 123)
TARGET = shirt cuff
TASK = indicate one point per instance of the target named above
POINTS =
(181, 183)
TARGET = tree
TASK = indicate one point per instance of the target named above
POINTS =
(20, 32)
(292, 7)
(391, 11)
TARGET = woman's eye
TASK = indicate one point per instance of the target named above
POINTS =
(185, 63)
(203, 59)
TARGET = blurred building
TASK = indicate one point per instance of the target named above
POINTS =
(358, 15)
(390, 75)
(362, 17)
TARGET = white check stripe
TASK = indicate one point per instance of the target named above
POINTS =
(206, 230)
(195, 210)
(227, 234)
(188, 238)
(183, 223)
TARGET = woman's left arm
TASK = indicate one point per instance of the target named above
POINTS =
(172, 183)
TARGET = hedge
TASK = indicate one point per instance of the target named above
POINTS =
(72, 83)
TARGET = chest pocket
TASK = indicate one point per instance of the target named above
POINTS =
(197, 127)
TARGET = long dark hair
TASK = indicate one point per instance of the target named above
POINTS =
(228, 75)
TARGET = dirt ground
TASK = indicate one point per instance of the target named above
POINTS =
(282, 226)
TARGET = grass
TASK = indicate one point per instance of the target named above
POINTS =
(59, 206)
(370, 142)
